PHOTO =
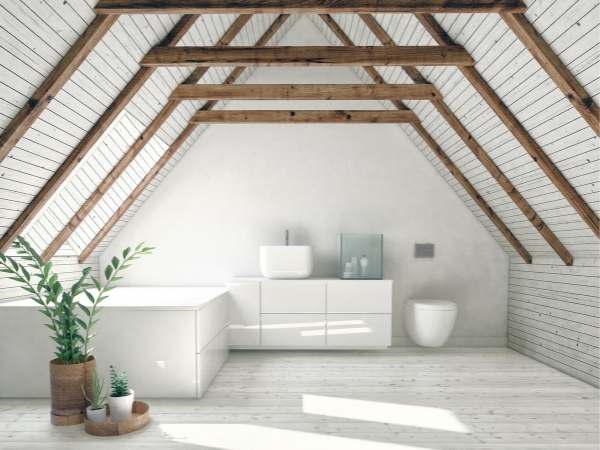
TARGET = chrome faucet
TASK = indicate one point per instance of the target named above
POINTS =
(287, 237)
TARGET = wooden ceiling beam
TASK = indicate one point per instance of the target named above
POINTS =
(89, 140)
(470, 189)
(305, 6)
(304, 116)
(517, 129)
(54, 82)
(134, 150)
(286, 56)
(555, 68)
(480, 153)
(305, 92)
(430, 141)
(137, 191)
(173, 148)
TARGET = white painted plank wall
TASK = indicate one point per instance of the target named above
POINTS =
(554, 314)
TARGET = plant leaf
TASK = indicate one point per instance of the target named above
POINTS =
(85, 309)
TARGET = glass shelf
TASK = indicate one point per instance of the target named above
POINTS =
(360, 256)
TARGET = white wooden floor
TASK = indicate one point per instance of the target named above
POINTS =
(399, 399)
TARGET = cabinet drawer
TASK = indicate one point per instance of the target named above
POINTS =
(359, 330)
(290, 296)
(296, 330)
(211, 320)
(210, 360)
(362, 296)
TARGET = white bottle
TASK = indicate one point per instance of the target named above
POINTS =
(347, 270)
(354, 266)
(364, 262)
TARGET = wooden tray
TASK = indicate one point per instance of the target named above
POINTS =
(139, 419)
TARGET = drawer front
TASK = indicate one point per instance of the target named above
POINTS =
(244, 314)
(156, 348)
(362, 296)
(359, 330)
(294, 330)
(210, 360)
(290, 296)
(210, 320)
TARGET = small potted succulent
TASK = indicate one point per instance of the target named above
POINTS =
(120, 400)
(96, 411)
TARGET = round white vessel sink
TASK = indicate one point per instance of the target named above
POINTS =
(286, 261)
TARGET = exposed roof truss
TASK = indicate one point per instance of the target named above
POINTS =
(203, 58)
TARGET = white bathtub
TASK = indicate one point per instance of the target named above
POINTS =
(172, 341)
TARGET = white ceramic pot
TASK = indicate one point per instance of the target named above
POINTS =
(96, 415)
(121, 407)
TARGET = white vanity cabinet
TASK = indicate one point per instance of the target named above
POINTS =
(293, 330)
(292, 296)
(359, 313)
(313, 313)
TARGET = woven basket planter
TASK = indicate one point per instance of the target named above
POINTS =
(68, 403)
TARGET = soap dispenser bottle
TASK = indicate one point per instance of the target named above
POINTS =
(364, 263)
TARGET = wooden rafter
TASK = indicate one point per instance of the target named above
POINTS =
(430, 141)
(173, 148)
(517, 129)
(307, 56)
(480, 153)
(555, 68)
(470, 189)
(54, 82)
(90, 139)
(304, 116)
(305, 92)
(305, 6)
(134, 150)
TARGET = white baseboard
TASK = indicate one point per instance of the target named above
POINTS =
(457, 341)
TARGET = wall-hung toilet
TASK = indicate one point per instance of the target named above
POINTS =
(429, 322)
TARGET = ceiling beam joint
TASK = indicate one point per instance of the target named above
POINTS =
(305, 6)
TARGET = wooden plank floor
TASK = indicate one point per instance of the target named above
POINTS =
(400, 399)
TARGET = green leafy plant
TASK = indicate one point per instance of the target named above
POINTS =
(70, 321)
(119, 384)
(97, 399)
(112, 273)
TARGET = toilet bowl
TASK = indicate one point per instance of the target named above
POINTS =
(429, 322)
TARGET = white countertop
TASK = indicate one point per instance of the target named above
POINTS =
(150, 297)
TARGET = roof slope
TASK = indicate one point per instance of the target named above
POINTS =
(34, 37)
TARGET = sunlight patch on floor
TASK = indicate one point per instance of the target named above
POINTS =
(398, 414)
(252, 437)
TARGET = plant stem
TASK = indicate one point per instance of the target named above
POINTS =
(101, 292)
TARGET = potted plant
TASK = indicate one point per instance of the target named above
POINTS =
(120, 401)
(96, 411)
(70, 322)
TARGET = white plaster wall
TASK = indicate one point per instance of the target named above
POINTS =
(241, 186)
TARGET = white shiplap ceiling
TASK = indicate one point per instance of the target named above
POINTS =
(35, 34)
